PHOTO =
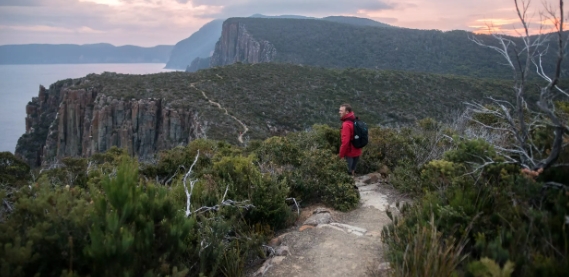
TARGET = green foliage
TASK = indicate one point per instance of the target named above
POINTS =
(406, 178)
(136, 229)
(428, 252)
(504, 215)
(177, 160)
(270, 207)
(489, 268)
(309, 42)
(103, 216)
(279, 150)
(13, 170)
(46, 231)
(308, 164)
(72, 172)
(273, 99)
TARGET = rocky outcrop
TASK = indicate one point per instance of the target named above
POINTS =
(238, 45)
(198, 63)
(63, 121)
(199, 44)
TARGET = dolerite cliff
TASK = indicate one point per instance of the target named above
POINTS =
(64, 121)
(238, 45)
(198, 63)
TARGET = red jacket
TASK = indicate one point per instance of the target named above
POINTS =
(347, 133)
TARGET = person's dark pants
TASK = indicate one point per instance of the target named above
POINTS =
(352, 162)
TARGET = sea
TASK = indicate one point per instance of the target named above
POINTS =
(19, 83)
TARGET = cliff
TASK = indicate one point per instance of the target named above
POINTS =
(238, 45)
(198, 63)
(237, 103)
(63, 121)
(332, 43)
(199, 45)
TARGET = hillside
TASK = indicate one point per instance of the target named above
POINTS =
(333, 44)
(199, 45)
(87, 53)
(147, 113)
(357, 21)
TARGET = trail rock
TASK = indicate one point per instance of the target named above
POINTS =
(374, 178)
(282, 251)
(319, 218)
(305, 227)
(277, 260)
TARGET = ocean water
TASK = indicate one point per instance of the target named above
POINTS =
(19, 83)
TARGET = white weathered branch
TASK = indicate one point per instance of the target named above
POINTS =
(556, 185)
(192, 183)
(534, 49)
(295, 203)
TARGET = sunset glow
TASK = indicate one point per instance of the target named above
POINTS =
(152, 22)
(104, 2)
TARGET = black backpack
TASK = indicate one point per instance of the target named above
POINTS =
(360, 133)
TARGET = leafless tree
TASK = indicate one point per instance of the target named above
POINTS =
(239, 204)
(521, 118)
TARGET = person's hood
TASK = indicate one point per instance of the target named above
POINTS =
(350, 116)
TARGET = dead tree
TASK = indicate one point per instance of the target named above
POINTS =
(520, 118)
(239, 204)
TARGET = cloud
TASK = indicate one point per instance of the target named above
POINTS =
(232, 8)
(44, 28)
(13, 3)
(152, 22)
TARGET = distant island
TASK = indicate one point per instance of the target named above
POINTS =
(87, 53)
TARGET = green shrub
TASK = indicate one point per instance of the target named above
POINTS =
(136, 229)
(504, 215)
(427, 252)
(46, 231)
(321, 177)
(310, 166)
(13, 171)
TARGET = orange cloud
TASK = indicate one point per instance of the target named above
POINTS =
(104, 2)
(513, 26)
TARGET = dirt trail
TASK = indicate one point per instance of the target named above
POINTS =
(350, 245)
(245, 128)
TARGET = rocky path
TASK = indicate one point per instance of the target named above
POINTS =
(245, 128)
(330, 243)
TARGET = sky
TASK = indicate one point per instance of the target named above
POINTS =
(165, 22)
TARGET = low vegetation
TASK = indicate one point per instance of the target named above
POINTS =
(273, 99)
(109, 215)
(475, 217)
(478, 216)
(331, 44)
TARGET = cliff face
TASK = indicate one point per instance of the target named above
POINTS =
(198, 63)
(238, 45)
(199, 44)
(64, 122)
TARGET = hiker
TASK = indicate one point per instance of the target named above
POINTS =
(347, 150)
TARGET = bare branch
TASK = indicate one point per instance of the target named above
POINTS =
(525, 151)
(10, 207)
(295, 203)
(192, 183)
(556, 185)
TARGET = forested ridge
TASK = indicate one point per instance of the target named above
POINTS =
(333, 44)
